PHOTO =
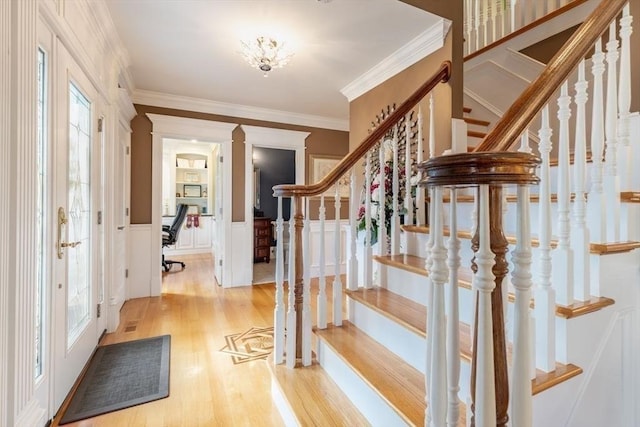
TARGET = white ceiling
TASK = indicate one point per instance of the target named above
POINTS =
(189, 48)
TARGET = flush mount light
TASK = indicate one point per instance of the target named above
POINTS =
(265, 53)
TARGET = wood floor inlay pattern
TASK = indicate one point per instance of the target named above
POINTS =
(253, 344)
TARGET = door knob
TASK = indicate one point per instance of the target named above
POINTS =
(69, 244)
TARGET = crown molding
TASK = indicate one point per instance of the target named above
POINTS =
(420, 47)
(158, 99)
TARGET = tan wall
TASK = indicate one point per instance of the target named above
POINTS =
(454, 12)
(364, 109)
(320, 141)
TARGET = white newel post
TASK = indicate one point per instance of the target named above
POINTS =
(545, 308)
(563, 257)
(485, 394)
(521, 398)
(624, 99)
(580, 233)
(439, 274)
(453, 316)
(367, 276)
(291, 302)
(395, 188)
(353, 248)
(612, 180)
(279, 311)
(306, 288)
(337, 280)
(322, 285)
(597, 212)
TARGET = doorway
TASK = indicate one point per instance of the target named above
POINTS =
(271, 166)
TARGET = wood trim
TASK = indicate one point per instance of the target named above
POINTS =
(478, 122)
(613, 248)
(516, 119)
(287, 190)
(412, 263)
(466, 109)
(545, 380)
(520, 31)
(582, 308)
(476, 134)
(630, 196)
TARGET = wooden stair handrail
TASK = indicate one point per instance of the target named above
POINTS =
(290, 190)
(516, 119)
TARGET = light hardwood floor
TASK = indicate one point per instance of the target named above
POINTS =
(206, 388)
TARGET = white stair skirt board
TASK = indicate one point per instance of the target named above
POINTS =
(374, 408)
(286, 412)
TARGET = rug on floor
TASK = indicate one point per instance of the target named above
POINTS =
(122, 375)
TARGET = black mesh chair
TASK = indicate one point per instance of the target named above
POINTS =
(170, 235)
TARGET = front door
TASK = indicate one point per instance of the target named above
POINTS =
(75, 193)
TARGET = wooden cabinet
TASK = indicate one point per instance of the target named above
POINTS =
(261, 239)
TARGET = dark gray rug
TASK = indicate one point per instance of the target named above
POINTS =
(122, 375)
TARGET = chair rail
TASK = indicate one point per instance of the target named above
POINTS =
(288, 190)
(530, 102)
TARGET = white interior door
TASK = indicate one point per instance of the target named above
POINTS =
(75, 193)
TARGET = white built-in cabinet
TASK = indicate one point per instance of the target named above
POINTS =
(192, 239)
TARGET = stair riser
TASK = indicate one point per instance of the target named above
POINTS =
(369, 402)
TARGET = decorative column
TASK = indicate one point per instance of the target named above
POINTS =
(624, 98)
(322, 285)
(19, 87)
(5, 210)
(453, 316)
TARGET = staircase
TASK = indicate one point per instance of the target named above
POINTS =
(498, 306)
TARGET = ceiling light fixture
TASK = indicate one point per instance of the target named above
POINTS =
(265, 53)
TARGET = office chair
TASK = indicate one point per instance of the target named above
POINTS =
(170, 235)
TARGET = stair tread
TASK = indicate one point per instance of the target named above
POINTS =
(314, 397)
(466, 109)
(395, 380)
(415, 264)
(594, 248)
(476, 134)
(396, 307)
(479, 122)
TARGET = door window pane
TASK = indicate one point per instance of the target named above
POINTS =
(79, 214)
(40, 204)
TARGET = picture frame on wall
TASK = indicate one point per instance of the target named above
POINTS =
(191, 190)
(320, 166)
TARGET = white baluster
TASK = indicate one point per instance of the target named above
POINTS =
(408, 198)
(322, 280)
(487, 22)
(468, 26)
(545, 294)
(429, 303)
(353, 260)
(580, 233)
(498, 19)
(524, 142)
(453, 316)
(439, 275)
(395, 188)
(624, 99)
(597, 212)
(306, 287)
(420, 202)
(563, 255)
(474, 303)
(612, 180)
(279, 310)
(485, 403)
(516, 14)
(337, 281)
(368, 253)
(521, 399)
(432, 127)
(382, 214)
(291, 303)
(551, 6)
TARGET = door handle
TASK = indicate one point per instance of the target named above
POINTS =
(70, 244)
(121, 227)
(62, 220)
